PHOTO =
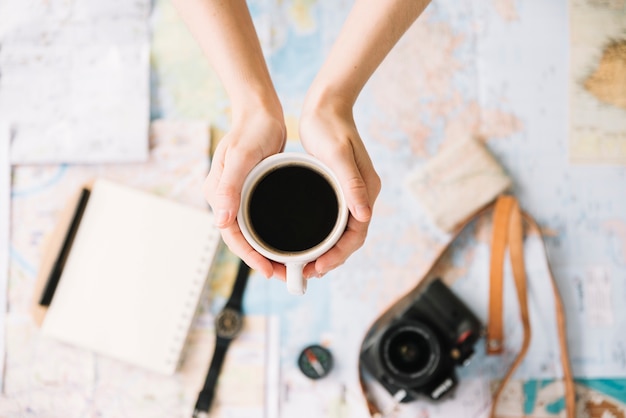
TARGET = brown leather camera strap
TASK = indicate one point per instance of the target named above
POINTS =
(568, 377)
(499, 239)
(508, 231)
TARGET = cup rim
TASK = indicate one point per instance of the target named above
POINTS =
(271, 163)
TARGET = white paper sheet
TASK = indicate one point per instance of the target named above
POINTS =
(75, 80)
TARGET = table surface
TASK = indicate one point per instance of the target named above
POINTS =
(499, 71)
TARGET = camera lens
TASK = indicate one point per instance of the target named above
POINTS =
(410, 351)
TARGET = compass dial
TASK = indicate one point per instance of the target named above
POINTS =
(315, 361)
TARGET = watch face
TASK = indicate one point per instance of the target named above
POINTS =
(228, 323)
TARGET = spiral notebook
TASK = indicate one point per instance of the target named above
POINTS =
(132, 280)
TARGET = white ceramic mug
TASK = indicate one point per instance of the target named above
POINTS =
(295, 193)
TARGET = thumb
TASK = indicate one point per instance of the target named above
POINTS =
(356, 195)
(228, 191)
(353, 186)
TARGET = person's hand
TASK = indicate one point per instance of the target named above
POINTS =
(253, 137)
(329, 133)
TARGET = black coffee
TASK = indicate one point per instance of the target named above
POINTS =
(292, 209)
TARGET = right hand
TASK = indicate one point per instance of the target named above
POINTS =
(328, 132)
(251, 139)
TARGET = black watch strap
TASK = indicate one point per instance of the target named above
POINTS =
(236, 295)
(205, 397)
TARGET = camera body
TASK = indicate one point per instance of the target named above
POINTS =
(418, 349)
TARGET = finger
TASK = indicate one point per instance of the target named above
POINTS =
(280, 271)
(237, 165)
(309, 271)
(238, 245)
(351, 240)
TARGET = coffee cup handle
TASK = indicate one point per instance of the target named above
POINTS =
(296, 283)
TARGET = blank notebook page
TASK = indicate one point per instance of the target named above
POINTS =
(133, 278)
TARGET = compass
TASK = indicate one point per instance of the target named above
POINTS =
(315, 361)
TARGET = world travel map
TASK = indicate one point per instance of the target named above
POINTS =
(482, 69)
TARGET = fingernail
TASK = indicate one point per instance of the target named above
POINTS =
(221, 217)
(363, 212)
(265, 273)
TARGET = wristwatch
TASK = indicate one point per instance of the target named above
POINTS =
(228, 324)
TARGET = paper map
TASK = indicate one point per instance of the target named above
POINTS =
(597, 85)
(74, 82)
(5, 224)
(498, 70)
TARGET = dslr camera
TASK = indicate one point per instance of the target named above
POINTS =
(417, 350)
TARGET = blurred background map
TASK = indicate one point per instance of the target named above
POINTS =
(597, 82)
(527, 77)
